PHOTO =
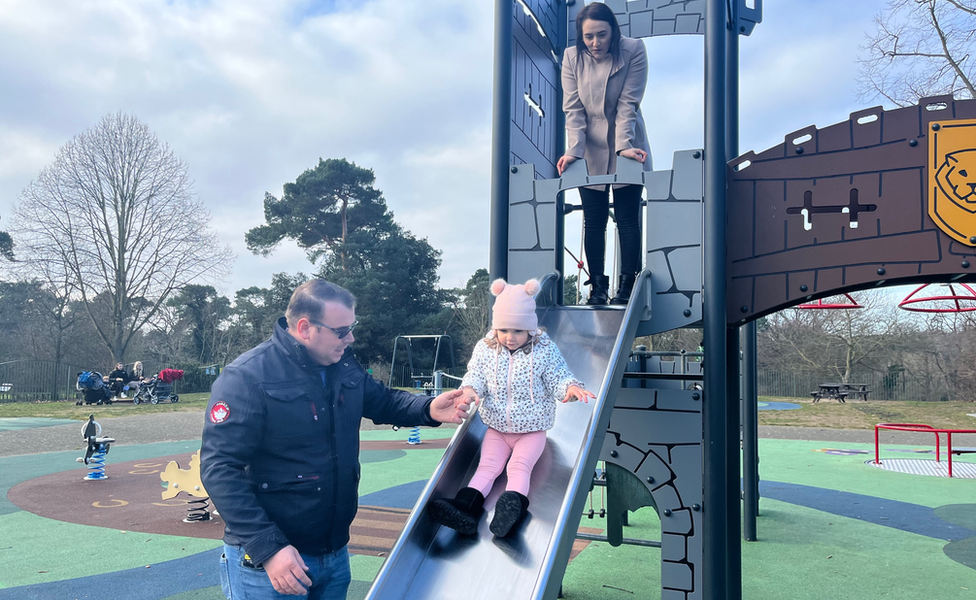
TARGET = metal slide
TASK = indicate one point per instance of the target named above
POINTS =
(431, 562)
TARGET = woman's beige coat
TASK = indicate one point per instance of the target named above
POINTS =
(602, 106)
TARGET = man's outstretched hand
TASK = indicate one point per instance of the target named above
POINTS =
(450, 407)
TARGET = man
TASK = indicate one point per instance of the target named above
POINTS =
(280, 453)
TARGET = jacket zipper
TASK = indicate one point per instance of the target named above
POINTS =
(508, 396)
(335, 462)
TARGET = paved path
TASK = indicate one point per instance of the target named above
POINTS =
(138, 429)
(177, 426)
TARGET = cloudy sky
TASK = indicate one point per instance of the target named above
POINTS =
(250, 93)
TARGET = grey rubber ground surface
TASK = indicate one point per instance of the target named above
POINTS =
(138, 429)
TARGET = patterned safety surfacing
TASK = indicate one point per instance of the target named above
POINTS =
(920, 466)
(130, 499)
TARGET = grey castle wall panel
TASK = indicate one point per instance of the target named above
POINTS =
(686, 462)
(635, 398)
(678, 575)
(524, 227)
(672, 231)
(678, 400)
(673, 242)
(658, 184)
(673, 547)
(656, 434)
(650, 18)
(670, 594)
(688, 182)
(531, 227)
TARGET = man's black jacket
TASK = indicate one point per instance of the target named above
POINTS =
(280, 452)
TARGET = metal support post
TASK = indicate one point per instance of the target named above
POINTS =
(716, 518)
(501, 124)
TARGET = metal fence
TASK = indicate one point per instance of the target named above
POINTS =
(404, 378)
(882, 386)
(35, 380)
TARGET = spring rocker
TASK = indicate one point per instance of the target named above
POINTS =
(188, 481)
(97, 449)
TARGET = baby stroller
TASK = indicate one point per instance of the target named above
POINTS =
(159, 388)
(93, 388)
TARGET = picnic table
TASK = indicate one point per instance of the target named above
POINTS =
(858, 389)
(840, 391)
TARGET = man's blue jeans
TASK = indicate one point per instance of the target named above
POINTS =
(329, 573)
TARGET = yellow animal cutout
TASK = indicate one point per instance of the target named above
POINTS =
(183, 480)
(952, 179)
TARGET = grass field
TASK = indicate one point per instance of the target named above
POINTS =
(68, 410)
(858, 414)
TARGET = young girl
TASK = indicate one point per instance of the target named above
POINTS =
(520, 374)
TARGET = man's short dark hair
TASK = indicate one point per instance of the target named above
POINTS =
(308, 300)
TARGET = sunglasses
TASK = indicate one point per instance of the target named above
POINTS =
(340, 332)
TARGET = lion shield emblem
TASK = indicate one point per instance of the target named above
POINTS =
(952, 179)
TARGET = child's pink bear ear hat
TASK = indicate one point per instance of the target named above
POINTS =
(514, 306)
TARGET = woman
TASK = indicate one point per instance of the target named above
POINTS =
(136, 378)
(603, 78)
(117, 380)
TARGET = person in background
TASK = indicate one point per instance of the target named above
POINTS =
(136, 378)
(280, 450)
(603, 77)
(117, 380)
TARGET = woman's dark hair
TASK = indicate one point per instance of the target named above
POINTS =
(598, 11)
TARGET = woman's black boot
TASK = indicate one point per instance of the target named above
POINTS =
(624, 288)
(462, 513)
(599, 289)
(510, 509)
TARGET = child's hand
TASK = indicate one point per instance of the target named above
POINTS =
(469, 398)
(575, 393)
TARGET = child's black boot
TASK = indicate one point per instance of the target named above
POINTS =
(510, 509)
(462, 513)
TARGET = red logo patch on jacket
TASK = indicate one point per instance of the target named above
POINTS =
(219, 412)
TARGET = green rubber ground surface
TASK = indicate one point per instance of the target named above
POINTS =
(803, 552)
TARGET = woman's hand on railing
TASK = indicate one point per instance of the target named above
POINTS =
(563, 163)
(634, 153)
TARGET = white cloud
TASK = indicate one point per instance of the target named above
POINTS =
(251, 93)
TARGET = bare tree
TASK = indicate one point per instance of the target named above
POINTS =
(472, 310)
(114, 215)
(919, 48)
(951, 341)
(830, 340)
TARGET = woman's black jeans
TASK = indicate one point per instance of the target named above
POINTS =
(626, 210)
